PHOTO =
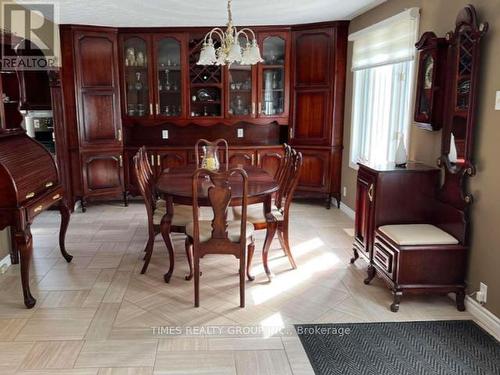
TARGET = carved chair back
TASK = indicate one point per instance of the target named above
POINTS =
(280, 173)
(203, 142)
(145, 183)
(290, 182)
(290, 179)
(219, 197)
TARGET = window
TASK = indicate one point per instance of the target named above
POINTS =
(383, 66)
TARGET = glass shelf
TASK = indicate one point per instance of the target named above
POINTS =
(273, 76)
(136, 77)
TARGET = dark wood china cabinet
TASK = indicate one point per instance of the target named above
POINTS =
(412, 224)
(166, 101)
(319, 55)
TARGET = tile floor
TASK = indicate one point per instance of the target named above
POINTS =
(98, 315)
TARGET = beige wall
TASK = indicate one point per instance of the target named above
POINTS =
(439, 16)
(4, 243)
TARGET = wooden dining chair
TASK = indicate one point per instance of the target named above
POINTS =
(277, 220)
(203, 142)
(220, 235)
(280, 173)
(158, 221)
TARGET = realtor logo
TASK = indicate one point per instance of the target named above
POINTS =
(31, 36)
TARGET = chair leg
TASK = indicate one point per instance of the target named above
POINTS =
(285, 243)
(165, 233)
(242, 278)
(251, 251)
(196, 281)
(149, 252)
(189, 253)
(271, 231)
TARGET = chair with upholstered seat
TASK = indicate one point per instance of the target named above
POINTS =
(277, 220)
(220, 235)
(158, 221)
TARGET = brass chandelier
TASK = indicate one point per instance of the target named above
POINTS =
(230, 50)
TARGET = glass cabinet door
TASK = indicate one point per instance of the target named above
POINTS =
(169, 77)
(272, 77)
(240, 99)
(136, 69)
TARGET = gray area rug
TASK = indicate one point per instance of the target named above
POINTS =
(453, 347)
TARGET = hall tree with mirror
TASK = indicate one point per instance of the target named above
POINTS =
(412, 224)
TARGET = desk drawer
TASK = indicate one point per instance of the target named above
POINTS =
(44, 203)
(384, 257)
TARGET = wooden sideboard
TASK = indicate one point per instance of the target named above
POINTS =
(111, 104)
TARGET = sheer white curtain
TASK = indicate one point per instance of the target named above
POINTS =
(383, 65)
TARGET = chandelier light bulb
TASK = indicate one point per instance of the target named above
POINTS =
(230, 51)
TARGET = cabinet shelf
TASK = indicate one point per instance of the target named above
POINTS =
(136, 68)
(202, 85)
(206, 102)
(169, 68)
(273, 66)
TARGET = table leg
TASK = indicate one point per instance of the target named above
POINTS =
(65, 215)
(24, 242)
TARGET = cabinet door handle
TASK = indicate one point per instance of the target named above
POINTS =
(38, 209)
(253, 108)
(151, 109)
(121, 160)
(258, 159)
(57, 196)
(152, 160)
(260, 108)
(370, 193)
(157, 108)
(119, 135)
(291, 133)
(158, 161)
(253, 159)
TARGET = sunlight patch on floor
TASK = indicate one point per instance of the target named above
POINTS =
(305, 271)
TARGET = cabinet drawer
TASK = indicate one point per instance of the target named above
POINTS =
(384, 257)
(45, 201)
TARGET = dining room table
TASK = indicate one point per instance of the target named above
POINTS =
(175, 186)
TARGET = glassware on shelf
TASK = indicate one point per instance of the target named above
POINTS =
(269, 108)
(141, 111)
(167, 85)
(130, 57)
(140, 59)
(138, 83)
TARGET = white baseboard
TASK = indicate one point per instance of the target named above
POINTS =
(484, 318)
(347, 210)
(5, 264)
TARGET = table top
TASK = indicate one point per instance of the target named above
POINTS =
(177, 183)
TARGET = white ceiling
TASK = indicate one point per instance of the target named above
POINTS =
(207, 12)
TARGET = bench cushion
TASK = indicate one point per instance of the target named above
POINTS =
(417, 234)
